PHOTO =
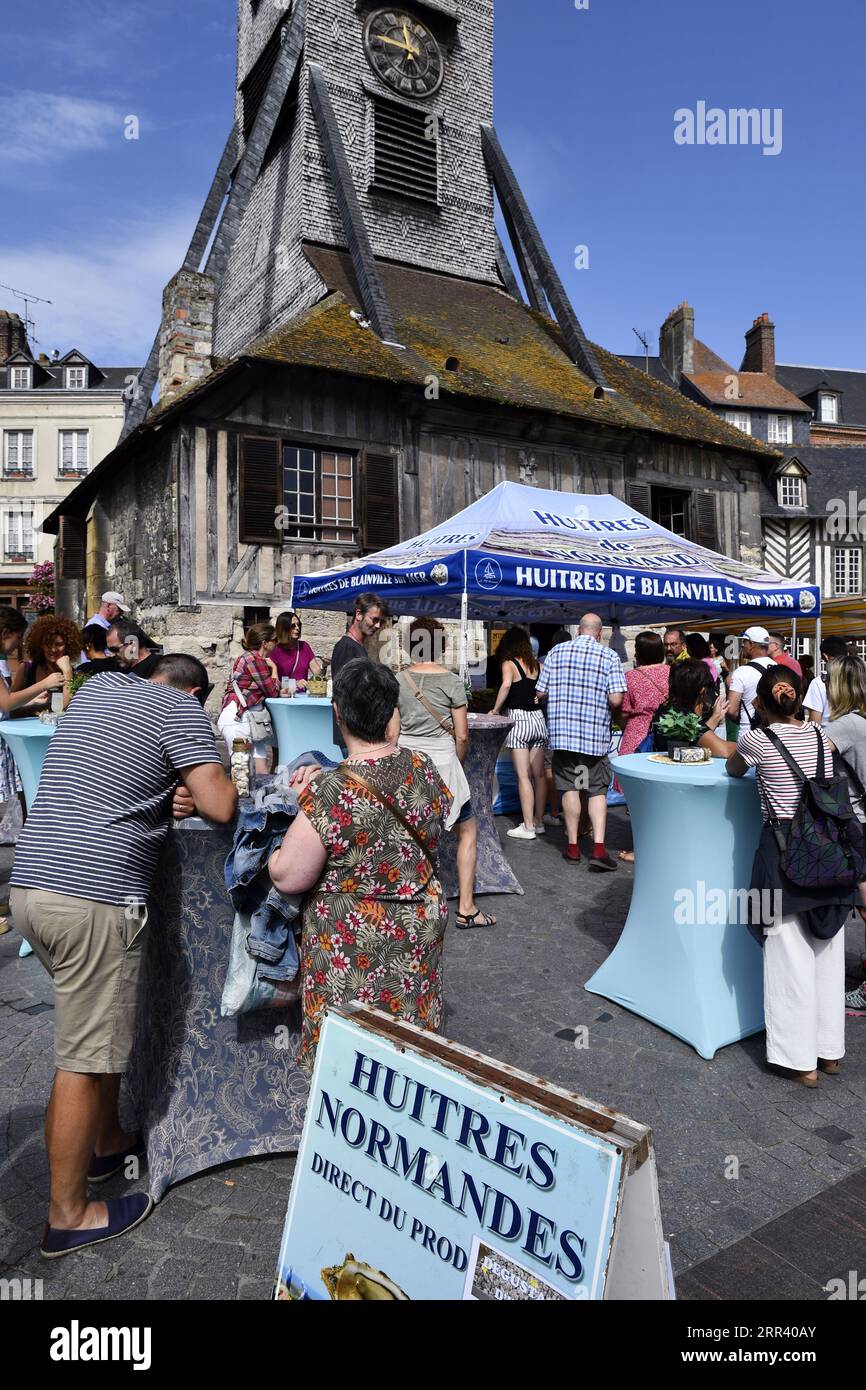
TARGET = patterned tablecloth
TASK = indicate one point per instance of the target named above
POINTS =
(207, 1090)
(487, 733)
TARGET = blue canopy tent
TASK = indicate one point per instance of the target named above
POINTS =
(523, 554)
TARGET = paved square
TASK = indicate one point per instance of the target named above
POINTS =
(515, 992)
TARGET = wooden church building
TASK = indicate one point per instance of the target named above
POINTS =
(350, 354)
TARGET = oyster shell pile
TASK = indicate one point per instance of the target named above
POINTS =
(356, 1282)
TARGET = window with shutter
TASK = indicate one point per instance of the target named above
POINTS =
(260, 491)
(639, 497)
(406, 146)
(380, 498)
(705, 525)
(72, 549)
(314, 489)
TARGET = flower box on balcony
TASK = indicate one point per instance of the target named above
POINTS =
(17, 472)
(17, 558)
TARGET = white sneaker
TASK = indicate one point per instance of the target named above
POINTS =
(520, 832)
(540, 830)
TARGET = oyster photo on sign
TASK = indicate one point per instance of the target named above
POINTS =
(356, 1282)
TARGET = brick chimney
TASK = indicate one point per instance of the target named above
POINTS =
(761, 348)
(186, 332)
(677, 341)
(13, 335)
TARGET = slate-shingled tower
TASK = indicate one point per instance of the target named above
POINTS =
(268, 279)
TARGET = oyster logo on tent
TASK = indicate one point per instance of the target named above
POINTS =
(303, 589)
(439, 574)
(488, 574)
(807, 601)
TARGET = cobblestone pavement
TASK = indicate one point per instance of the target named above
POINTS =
(516, 993)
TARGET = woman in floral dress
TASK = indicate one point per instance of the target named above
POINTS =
(375, 915)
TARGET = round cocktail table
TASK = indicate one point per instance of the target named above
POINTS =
(686, 960)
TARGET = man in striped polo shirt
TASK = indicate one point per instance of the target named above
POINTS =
(83, 870)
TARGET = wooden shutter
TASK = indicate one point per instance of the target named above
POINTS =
(380, 502)
(639, 497)
(705, 528)
(72, 549)
(261, 491)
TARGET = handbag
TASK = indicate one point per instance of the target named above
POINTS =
(446, 724)
(258, 716)
(352, 775)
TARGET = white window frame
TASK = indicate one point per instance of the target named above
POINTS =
(780, 429)
(795, 482)
(19, 513)
(847, 571)
(18, 437)
(828, 399)
(24, 372)
(740, 419)
(76, 372)
(73, 471)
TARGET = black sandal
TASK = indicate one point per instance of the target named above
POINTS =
(466, 921)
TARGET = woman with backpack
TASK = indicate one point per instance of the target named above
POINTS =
(846, 696)
(809, 864)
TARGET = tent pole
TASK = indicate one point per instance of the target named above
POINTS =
(464, 626)
(817, 646)
(794, 639)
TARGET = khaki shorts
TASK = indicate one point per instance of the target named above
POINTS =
(93, 953)
(581, 772)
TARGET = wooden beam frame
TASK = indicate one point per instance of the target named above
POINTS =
(373, 295)
(142, 392)
(527, 239)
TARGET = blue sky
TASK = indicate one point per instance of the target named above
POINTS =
(585, 103)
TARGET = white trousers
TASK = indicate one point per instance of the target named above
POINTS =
(231, 727)
(804, 996)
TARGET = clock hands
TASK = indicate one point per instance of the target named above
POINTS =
(407, 47)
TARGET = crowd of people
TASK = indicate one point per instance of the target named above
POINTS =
(363, 848)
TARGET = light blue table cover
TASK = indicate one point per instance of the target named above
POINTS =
(28, 740)
(301, 725)
(692, 826)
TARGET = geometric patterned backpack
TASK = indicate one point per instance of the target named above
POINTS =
(824, 844)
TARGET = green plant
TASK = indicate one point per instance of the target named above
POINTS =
(76, 683)
(684, 728)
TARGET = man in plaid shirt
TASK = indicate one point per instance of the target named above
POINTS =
(581, 683)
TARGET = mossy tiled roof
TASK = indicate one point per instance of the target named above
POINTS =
(499, 349)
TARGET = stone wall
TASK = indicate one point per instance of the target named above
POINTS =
(141, 511)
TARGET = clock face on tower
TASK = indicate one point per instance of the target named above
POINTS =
(403, 53)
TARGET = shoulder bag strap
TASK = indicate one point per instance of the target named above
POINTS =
(251, 670)
(353, 775)
(445, 724)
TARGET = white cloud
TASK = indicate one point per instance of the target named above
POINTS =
(39, 127)
(106, 292)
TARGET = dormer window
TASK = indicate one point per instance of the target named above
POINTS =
(828, 408)
(20, 378)
(76, 378)
(792, 491)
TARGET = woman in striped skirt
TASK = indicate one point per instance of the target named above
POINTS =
(528, 739)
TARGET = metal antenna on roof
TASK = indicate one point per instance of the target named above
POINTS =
(28, 300)
(642, 338)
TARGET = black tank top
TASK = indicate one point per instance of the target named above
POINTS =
(522, 693)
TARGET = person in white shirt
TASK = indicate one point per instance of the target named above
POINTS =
(109, 610)
(815, 701)
(744, 681)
